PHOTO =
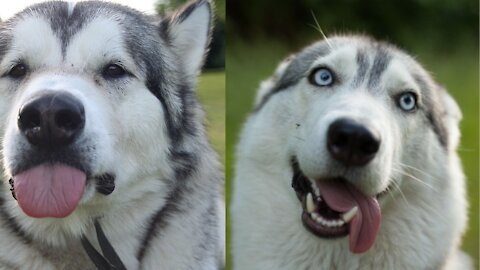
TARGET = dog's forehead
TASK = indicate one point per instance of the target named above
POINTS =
(67, 20)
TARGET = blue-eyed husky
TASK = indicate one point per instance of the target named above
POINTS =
(348, 162)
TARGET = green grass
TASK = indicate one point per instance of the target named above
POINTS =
(249, 63)
(458, 72)
(211, 93)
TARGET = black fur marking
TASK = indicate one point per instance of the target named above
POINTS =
(434, 109)
(185, 164)
(11, 223)
(438, 128)
(105, 183)
(173, 131)
(12, 188)
(362, 67)
(183, 121)
(159, 220)
(380, 64)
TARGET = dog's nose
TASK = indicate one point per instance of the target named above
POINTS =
(52, 120)
(352, 143)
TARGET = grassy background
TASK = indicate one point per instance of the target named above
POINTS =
(250, 62)
(211, 93)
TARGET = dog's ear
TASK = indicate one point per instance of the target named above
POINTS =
(451, 117)
(267, 85)
(188, 31)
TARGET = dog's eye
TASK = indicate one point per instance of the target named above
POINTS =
(113, 71)
(407, 101)
(321, 77)
(18, 71)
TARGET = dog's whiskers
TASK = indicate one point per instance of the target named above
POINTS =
(416, 169)
(319, 29)
(397, 187)
(418, 180)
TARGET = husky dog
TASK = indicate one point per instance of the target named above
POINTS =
(105, 159)
(348, 162)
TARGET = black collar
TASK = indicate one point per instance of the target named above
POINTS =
(109, 260)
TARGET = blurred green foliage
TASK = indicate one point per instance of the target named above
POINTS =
(442, 35)
(211, 92)
(289, 21)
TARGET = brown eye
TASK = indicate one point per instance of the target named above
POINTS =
(113, 71)
(18, 71)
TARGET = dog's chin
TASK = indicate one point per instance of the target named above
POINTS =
(333, 208)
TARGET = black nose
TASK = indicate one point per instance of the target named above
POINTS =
(52, 120)
(352, 143)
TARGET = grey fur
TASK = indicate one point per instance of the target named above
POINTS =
(195, 173)
(415, 178)
(380, 64)
(297, 69)
(362, 68)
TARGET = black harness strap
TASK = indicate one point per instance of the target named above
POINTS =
(111, 261)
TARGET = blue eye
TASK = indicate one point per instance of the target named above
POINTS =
(407, 101)
(321, 77)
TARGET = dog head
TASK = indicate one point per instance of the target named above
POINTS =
(350, 117)
(96, 97)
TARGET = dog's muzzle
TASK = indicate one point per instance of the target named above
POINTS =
(51, 172)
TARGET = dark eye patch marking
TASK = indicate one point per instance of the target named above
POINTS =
(297, 69)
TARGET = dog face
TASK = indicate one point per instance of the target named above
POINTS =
(94, 98)
(352, 116)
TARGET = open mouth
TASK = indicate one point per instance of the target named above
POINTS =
(333, 208)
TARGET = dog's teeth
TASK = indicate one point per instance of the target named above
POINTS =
(311, 207)
(350, 214)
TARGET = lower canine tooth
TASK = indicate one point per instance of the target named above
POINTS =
(350, 214)
(310, 204)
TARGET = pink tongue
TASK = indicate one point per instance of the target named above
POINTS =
(341, 197)
(49, 190)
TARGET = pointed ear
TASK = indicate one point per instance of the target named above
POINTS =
(451, 117)
(188, 31)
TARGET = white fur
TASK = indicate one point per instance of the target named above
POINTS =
(126, 124)
(423, 216)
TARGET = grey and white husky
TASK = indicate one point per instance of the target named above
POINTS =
(104, 155)
(349, 161)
